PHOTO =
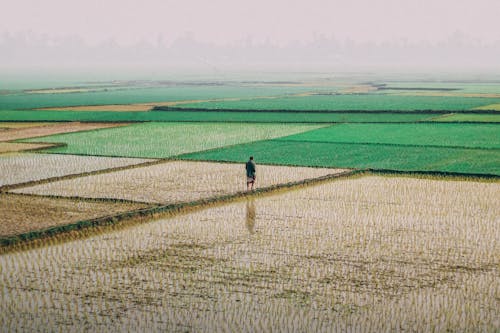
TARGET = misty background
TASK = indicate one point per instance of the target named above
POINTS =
(223, 34)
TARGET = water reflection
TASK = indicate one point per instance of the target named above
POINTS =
(250, 215)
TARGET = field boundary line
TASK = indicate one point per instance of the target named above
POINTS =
(85, 199)
(24, 240)
(416, 111)
(18, 140)
(430, 174)
(9, 187)
(30, 150)
(387, 144)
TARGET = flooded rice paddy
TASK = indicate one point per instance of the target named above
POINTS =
(360, 254)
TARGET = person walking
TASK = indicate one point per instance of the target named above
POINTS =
(250, 166)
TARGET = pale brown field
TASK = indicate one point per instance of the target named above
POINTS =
(11, 147)
(58, 91)
(495, 107)
(358, 89)
(21, 168)
(21, 214)
(174, 182)
(139, 107)
(369, 254)
(144, 107)
(32, 132)
(14, 125)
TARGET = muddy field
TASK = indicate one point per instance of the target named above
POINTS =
(11, 147)
(15, 125)
(21, 168)
(21, 214)
(359, 254)
(176, 181)
(37, 131)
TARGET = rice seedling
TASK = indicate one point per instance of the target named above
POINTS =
(365, 254)
(174, 182)
(188, 115)
(362, 156)
(433, 134)
(21, 168)
(159, 140)
(351, 102)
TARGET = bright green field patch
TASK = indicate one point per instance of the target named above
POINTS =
(345, 155)
(139, 95)
(462, 117)
(212, 116)
(368, 102)
(158, 140)
(428, 134)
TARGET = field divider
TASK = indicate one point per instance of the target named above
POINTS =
(6, 188)
(426, 111)
(37, 237)
(430, 174)
(84, 199)
(385, 144)
(27, 136)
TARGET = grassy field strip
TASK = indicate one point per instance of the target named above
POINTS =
(22, 214)
(27, 168)
(32, 132)
(140, 95)
(338, 256)
(390, 144)
(174, 182)
(455, 94)
(219, 116)
(427, 134)
(161, 140)
(352, 103)
(359, 156)
(151, 106)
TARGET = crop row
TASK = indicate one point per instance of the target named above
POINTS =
(353, 155)
(211, 116)
(21, 168)
(159, 140)
(137, 95)
(174, 182)
(428, 134)
(367, 254)
(354, 102)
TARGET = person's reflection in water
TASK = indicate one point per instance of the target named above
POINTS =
(250, 217)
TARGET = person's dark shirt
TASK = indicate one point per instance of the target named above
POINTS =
(250, 166)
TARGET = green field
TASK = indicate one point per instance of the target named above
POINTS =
(212, 116)
(349, 124)
(160, 140)
(438, 134)
(20, 101)
(455, 87)
(349, 155)
(355, 102)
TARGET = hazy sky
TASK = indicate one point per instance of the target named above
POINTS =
(234, 21)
